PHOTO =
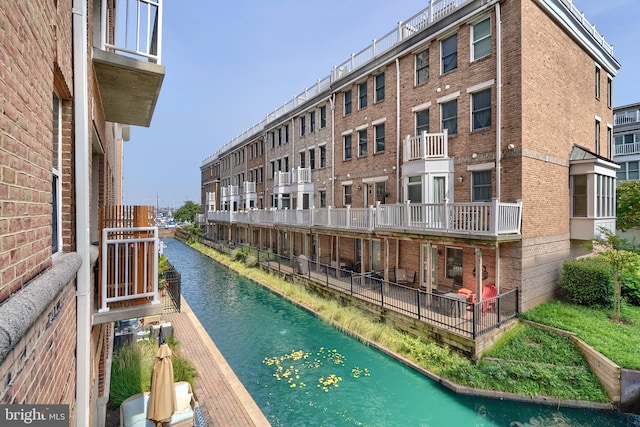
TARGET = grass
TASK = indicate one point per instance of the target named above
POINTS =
(132, 367)
(617, 341)
(529, 361)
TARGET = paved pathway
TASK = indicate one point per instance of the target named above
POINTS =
(222, 398)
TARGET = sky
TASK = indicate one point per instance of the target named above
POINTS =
(229, 64)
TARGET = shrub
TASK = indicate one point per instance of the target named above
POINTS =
(251, 261)
(631, 287)
(131, 371)
(587, 282)
(237, 255)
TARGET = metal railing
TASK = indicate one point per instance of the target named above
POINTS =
(626, 117)
(622, 149)
(448, 311)
(129, 265)
(133, 28)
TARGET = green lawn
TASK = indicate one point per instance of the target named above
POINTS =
(620, 342)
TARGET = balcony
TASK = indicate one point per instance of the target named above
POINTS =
(626, 117)
(282, 179)
(426, 146)
(128, 264)
(127, 62)
(625, 149)
(468, 220)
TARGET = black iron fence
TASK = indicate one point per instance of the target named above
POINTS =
(171, 298)
(449, 311)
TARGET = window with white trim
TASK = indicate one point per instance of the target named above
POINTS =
(481, 186)
(362, 95)
(346, 195)
(481, 109)
(56, 184)
(609, 92)
(597, 82)
(450, 116)
(362, 143)
(481, 39)
(347, 102)
(312, 158)
(422, 121)
(378, 82)
(303, 125)
(323, 117)
(449, 53)
(302, 159)
(379, 135)
(312, 121)
(597, 136)
(346, 141)
(323, 156)
(422, 67)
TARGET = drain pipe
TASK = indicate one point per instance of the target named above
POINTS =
(398, 136)
(81, 144)
(332, 103)
(498, 100)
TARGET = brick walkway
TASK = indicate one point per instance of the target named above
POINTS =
(220, 394)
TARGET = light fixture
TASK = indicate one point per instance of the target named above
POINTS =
(511, 146)
(474, 156)
(359, 187)
(460, 178)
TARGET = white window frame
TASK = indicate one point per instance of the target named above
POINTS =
(444, 39)
(376, 87)
(474, 42)
(363, 100)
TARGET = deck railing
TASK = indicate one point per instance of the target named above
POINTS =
(626, 117)
(491, 218)
(426, 146)
(623, 149)
(136, 29)
(128, 257)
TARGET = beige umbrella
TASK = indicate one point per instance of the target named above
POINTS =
(162, 402)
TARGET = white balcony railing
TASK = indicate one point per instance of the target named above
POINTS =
(622, 149)
(248, 187)
(302, 175)
(491, 218)
(626, 117)
(426, 146)
(129, 265)
(281, 179)
(137, 29)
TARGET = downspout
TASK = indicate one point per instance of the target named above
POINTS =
(399, 197)
(498, 100)
(81, 146)
(332, 102)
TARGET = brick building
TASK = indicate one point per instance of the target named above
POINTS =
(438, 149)
(69, 94)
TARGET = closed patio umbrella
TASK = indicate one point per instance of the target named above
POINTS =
(162, 402)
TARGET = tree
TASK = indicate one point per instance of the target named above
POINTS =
(187, 212)
(628, 202)
(618, 252)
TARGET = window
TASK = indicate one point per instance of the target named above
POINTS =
(381, 192)
(346, 192)
(481, 109)
(422, 67)
(450, 117)
(597, 77)
(481, 183)
(273, 168)
(379, 135)
(312, 121)
(273, 139)
(286, 134)
(580, 195)
(422, 122)
(597, 136)
(303, 125)
(454, 265)
(481, 39)
(56, 185)
(312, 158)
(280, 136)
(362, 143)
(414, 189)
(323, 199)
(621, 174)
(347, 102)
(605, 196)
(378, 82)
(609, 92)
(302, 162)
(609, 142)
(323, 156)
(347, 147)
(449, 49)
(362, 95)
(323, 117)
(286, 164)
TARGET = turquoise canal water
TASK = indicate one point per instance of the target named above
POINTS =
(290, 362)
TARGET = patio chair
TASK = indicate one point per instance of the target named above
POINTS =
(489, 292)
